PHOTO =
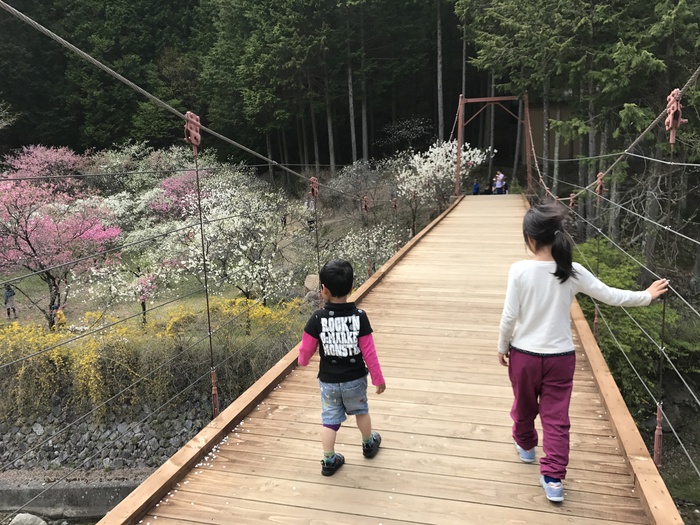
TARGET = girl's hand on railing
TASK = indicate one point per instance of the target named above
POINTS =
(658, 288)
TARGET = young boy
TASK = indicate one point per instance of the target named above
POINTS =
(344, 337)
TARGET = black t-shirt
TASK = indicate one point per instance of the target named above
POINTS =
(338, 326)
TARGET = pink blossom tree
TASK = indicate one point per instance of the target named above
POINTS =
(46, 225)
(42, 164)
(176, 196)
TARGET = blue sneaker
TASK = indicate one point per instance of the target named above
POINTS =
(526, 456)
(553, 491)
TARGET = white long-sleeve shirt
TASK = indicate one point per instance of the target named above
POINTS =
(536, 313)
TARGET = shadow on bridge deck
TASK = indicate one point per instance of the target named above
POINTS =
(447, 456)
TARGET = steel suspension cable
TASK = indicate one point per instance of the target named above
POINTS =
(639, 263)
(632, 212)
(648, 336)
(656, 402)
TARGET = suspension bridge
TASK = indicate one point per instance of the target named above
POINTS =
(447, 454)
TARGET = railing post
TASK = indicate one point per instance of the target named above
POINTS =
(214, 394)
(658, 435)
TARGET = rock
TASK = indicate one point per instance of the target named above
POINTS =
(27, 519)
(311, 283)
(313, 297)
(38, 429)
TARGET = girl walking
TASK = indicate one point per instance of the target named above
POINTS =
(535, 341)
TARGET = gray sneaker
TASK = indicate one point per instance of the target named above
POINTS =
(553, 491)
(526, 456)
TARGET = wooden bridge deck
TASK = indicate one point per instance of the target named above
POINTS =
(447, 455)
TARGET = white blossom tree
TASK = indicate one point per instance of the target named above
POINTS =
(427, 179)
(369, 247)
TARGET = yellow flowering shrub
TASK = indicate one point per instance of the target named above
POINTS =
(140, 363)
(181, 319)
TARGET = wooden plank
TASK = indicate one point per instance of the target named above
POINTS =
(354, 501)
(506, 468)
(376, 483)
(602, 459)
(380, 406)
(440, 428)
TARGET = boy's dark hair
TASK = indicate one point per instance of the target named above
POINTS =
(337, 276)
(544, 224)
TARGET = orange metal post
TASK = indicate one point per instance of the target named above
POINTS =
(528, 144)
(460, 140)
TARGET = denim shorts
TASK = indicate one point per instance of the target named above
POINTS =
(338, 399)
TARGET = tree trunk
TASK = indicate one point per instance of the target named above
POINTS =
(351, 98)
(284, 153)
(614, 216)
(351, 108)
(365, 131)
(695, 280)
(653, 210)
(592, 169)
(682, 194)
(604, 139)
(581, 201)
(518, 138)
(54, 302)
(464, 58)
(440, 102)
(270, 169)
(307, 157)
(314, 133)
(301, 144)
(557, 146)
(492, 122)
(329, 124)
(482, 120)
(545, 130)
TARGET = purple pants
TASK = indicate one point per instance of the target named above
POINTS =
(542, 385)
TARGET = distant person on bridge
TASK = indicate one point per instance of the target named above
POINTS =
(343, 336)
(475, 187)
(500, 181)
(535, 341)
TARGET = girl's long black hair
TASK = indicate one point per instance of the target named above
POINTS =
(544, 224)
